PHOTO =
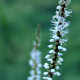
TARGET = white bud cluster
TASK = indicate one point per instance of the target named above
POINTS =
(35, 63)
(61, 48)
(51, 51)
(67, 2)
(57, 35)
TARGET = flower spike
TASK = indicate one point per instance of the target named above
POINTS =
(58, 33)
(35, 61)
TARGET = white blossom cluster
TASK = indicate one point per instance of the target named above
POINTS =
(35, 63)
(58, 35)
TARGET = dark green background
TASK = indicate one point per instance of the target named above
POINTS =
(18, 22)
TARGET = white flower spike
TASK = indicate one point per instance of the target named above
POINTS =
(35, 61)
(58, 35)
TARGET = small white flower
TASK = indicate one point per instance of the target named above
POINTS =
(57, 67)
(39, 65)
(57, 74)
(64, 32)
(38, 77)
(45, 78)
(55, 23)
(64, 49)
(52, 70)
(30, 78)
(51, 51)
(31, 63)
(67, 13)
(57, 14)
(50, 46)
(61, 48)
(45, 73)
(60, 54)
(55, 37)
(38, 72)
(59, 7)
(61, 59)
(63, 41)
(51, 40)
(46, 66)
(54, 33)
(66, 24)
(50, 60)
(32, 72)
(59, 63)
(48, 56)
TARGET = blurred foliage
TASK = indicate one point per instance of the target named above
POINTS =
(18, 21)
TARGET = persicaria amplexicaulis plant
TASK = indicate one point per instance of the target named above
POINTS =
(35, 61)
(58, 38)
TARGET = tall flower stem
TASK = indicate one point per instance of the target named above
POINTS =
(35, 61)
(36, 46)
(58, 33)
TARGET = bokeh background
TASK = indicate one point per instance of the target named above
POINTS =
(18, 22)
